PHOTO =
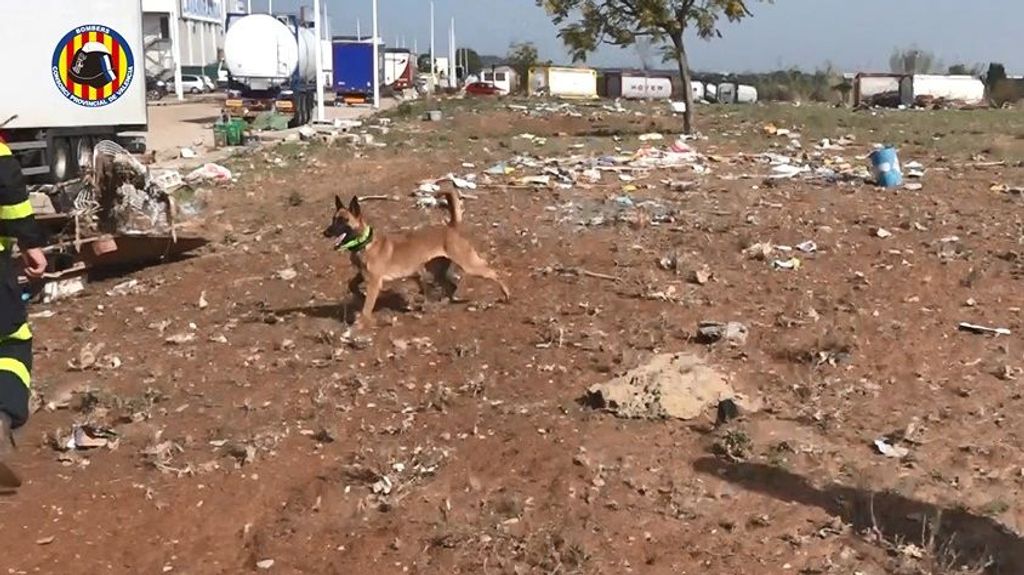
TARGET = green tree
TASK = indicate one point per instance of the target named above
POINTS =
(423, 63)
(470, 57)
(913, 61)
(521, 57)
(586, 24)
(965, 70)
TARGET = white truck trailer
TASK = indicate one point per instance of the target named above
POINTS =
(74, 76)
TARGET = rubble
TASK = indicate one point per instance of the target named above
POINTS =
(680, 386)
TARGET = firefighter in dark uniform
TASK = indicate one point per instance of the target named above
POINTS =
(17, 227)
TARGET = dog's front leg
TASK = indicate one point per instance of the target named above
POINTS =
(373, 287)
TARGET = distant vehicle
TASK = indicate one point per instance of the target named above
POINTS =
(95, 90)
(399, 69)
(193, 84)
(272, 64)
(483, 89)
(156, 89)
(353, 70)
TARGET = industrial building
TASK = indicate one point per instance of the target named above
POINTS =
(199, 25)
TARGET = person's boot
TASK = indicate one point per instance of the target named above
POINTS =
(8, 478)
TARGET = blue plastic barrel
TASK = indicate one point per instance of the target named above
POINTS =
(885, 164)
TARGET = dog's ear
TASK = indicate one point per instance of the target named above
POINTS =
(338, 204)
(353, 207)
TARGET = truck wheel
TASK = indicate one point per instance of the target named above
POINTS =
(61, 162)
(83, 147)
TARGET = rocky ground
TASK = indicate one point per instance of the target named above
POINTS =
(240, 425)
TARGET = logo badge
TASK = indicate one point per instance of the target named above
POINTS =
(93, 66)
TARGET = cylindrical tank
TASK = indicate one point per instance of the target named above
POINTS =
(746, 94)
(727, 93)
(638, 87)
(698, 90)
(260, 49)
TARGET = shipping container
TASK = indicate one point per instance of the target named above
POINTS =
(75, 77)
(563, 82)
(962, 89)
(746, 94)
(503, 77)
(869, 87)
(635, 86)
(698, 91)
(726, 93)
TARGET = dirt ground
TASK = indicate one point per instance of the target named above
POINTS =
(174, 125)
(256, 432)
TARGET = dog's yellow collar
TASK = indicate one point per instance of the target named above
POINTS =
(358, 243)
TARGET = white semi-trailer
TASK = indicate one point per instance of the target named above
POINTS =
(74, 75)
(271, 61)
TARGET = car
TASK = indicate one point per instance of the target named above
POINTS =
(194, 84)
(483, 89)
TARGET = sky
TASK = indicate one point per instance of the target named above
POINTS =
(852, 35)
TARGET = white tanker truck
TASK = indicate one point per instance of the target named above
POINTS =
(271, 62)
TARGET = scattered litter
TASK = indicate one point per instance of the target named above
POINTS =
(180, 338)
(124, 288)
(889, 450)
(701, 276)
(914, 169)
(913, 186)
(209, 172)
(981, 329)
(808, 247)
(790, 264)
(651, 137)
(883, 233)
(499, 169)
(265, 564)
(56, 290)
(759, 251)
(85, 437)
(677, 107)
(45, 540)
(733, 332)
(287, 274)
(885, 164)
(187, 153)
(669, 385)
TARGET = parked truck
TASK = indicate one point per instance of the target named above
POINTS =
(399, 69)
(354, 69)
(75, 78)
(271, 62)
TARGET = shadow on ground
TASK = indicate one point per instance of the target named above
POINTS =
(961, 539)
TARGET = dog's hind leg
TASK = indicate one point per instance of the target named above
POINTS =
(474, 265)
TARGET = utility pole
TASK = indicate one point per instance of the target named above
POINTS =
(359, 33)
(433, 64)
(318, 31)
(248, 6)
(376, 59)
(179, 90)
(270, 7)
(452, 80)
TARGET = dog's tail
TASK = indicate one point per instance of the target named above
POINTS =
(454, 206)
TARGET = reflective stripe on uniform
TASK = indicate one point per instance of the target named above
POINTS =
(6, 243)
(19, 369)
(23, 333)
(17, 211)
(4, 150)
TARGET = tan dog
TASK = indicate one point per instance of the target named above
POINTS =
(381, 258)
